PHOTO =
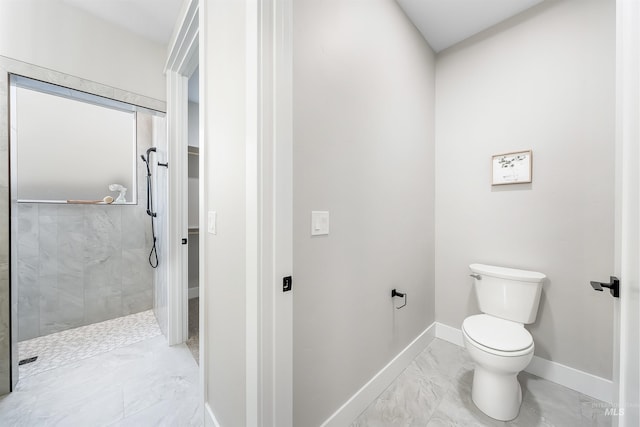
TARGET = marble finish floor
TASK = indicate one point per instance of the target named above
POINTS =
(193, 342)
(435, 390)
(143, 384)
(62, 348)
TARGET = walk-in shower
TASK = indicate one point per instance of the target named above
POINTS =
(79, 251)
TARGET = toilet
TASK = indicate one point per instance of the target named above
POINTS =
(496, 340)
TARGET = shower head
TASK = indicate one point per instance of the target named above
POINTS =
(148, 159)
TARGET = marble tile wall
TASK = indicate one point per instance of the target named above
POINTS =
(81, 264)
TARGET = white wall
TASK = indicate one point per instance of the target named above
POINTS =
(222, 73)
(51, 34)
(545, 81)
(363, 137)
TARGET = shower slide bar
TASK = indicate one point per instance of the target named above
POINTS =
(153, 255)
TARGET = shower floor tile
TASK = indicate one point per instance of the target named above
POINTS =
(63, 348)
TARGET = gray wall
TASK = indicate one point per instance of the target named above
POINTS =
(545, 81)
(363, 112)
(80, 264)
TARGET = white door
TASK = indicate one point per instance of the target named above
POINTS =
(627, 313)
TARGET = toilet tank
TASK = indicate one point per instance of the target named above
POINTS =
(508, 293)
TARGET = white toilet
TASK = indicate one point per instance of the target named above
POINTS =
(497, 341)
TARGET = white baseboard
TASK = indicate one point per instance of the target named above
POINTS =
(353, 407)
(209, 418)
(449, 333)
(194, 293)
(583, 382)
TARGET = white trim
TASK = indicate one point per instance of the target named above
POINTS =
(353, 407)
(182, 61)
(177, 253)
(253, 216)
(574, 379)
(184, 56)
(449, 334)
(627, 309)
(282, 245)
(209, 417)
(181, 55)
(583, 382)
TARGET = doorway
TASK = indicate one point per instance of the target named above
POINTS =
(84, 253)
(193, 206)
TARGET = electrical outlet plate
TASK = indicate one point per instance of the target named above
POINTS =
(211, 222)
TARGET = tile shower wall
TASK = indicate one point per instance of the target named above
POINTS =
(81, 264)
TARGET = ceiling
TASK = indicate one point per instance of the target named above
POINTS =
(444, 23)
(152, 19)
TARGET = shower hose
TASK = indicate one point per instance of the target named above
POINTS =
(153, 255)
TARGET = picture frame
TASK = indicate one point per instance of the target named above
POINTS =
(512, 168)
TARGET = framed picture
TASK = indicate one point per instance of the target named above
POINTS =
(512, 168)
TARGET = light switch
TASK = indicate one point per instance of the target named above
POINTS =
(211, 222)
(319, 223)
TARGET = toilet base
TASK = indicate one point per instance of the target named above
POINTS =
(498, 395)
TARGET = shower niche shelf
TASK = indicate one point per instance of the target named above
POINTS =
(74, 202)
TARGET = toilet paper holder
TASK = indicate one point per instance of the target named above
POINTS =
(395, 293)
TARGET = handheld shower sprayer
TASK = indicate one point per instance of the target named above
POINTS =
(147, 159)
(153, 255)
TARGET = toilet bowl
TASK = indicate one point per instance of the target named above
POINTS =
(497, 341)
(500, 349)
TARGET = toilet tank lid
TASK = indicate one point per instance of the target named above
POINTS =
(507, 273)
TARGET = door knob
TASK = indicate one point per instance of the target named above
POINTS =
(613, 285)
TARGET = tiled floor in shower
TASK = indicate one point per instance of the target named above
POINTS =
(63, 348)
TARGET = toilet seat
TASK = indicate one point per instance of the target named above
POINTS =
(498, 336)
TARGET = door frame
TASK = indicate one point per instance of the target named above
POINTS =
(627, 309)
(269, 194)
(182, 61)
